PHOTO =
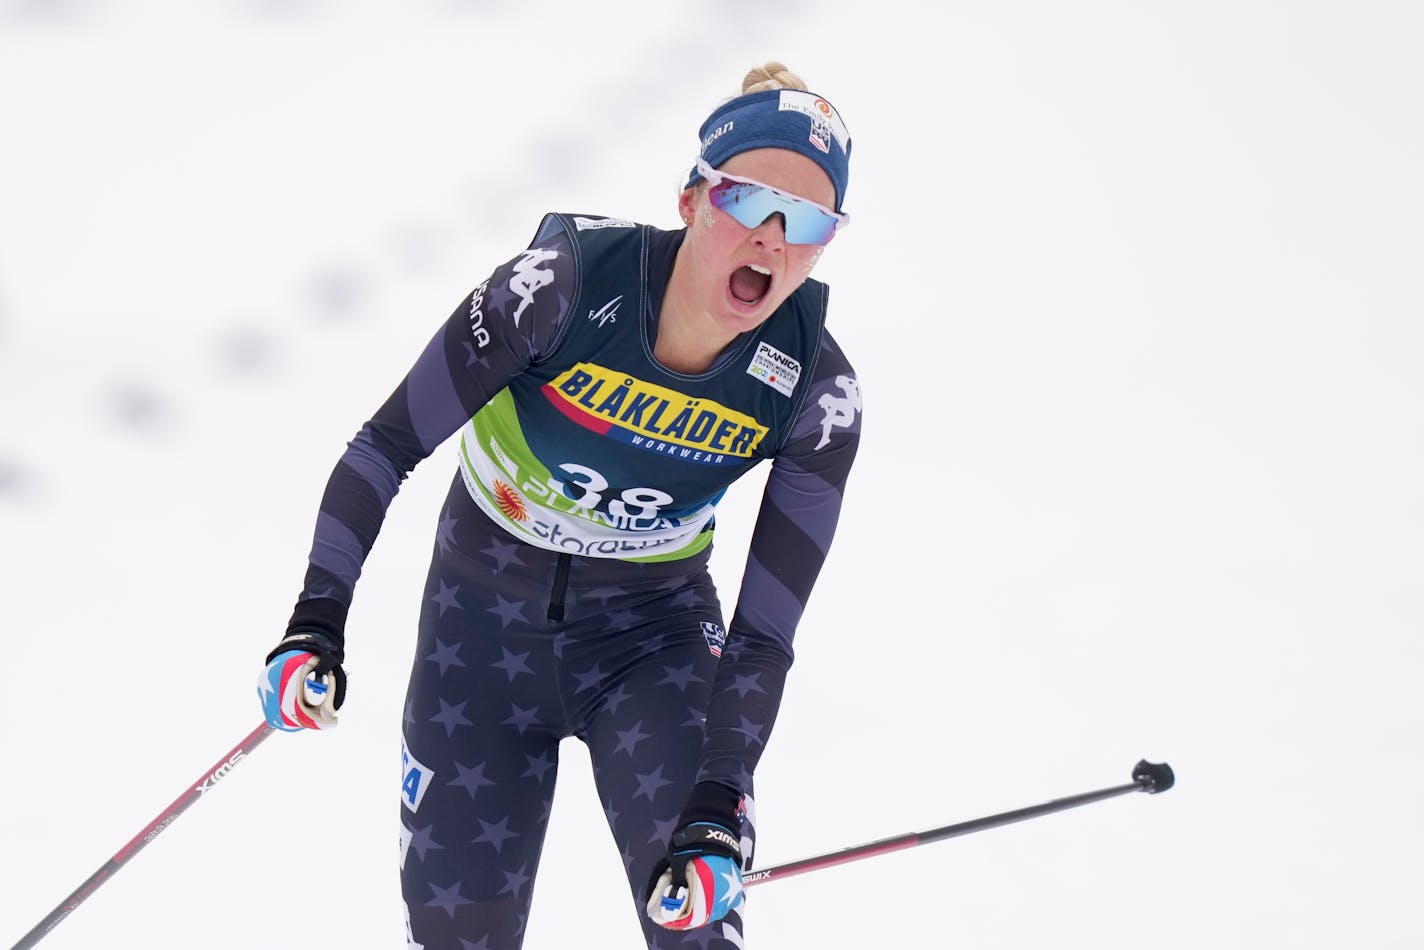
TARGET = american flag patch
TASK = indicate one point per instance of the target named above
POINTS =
(715, 636)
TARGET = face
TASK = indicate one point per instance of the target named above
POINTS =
(740, 275)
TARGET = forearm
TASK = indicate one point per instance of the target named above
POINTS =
(353, 508)
(746, 696)
(795, 527)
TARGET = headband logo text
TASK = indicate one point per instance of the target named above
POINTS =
(716, 134)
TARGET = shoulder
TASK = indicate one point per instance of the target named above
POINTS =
(833, 360)
(833, 397)
(590, 236)
(583, 223)
(829, 360)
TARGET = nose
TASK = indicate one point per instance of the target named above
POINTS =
(771, 232)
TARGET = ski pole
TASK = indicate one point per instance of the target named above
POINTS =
(206, 783)
(1146, 777)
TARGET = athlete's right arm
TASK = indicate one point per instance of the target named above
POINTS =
(494, 334)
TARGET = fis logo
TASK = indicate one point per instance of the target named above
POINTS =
(220, 773)
(608, 313)
(652, 417)
(715, 636)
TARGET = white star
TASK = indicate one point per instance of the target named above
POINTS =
(733, 880)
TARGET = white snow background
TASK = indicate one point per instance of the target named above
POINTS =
(1135, 294)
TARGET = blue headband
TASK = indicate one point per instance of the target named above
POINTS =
(779, 118)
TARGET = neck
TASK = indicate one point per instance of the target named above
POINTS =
(688, 338)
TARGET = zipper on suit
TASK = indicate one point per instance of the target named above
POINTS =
(561, 585)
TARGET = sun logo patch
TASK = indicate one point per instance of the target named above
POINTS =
(509, 503)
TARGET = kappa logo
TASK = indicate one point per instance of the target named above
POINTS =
(529, 277)
(608, 313)
(840, 410)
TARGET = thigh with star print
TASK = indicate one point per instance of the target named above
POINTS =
(645, 741)
(481, 731)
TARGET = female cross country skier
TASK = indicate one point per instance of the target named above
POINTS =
(609, 383)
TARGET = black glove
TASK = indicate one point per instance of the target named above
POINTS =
(710, 824)
(329, 655)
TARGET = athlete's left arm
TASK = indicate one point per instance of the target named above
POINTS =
(793, 533)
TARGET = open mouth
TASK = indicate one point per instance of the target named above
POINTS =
(750, 283)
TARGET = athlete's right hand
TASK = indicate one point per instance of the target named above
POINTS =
(303, 684)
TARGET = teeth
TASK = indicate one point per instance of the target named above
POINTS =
(760, 270)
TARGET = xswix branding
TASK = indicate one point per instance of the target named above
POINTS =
(704, 836)
(600, 450)
(220, 773)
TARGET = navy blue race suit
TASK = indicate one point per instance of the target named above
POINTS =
(568, 594)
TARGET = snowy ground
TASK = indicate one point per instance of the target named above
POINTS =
(1136, 298)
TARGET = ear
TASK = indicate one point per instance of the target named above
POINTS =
(687, 204)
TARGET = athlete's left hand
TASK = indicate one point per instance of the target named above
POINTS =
(700, 881)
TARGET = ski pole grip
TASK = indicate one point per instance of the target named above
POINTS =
(1153, 778)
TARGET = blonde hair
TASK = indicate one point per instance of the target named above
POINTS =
(771, 75)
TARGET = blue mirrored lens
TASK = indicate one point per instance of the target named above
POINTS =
(750, 205)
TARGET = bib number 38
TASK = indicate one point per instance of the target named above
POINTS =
(586, 486)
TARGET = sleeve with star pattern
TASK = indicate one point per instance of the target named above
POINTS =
(799, 510)
(477, 352)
